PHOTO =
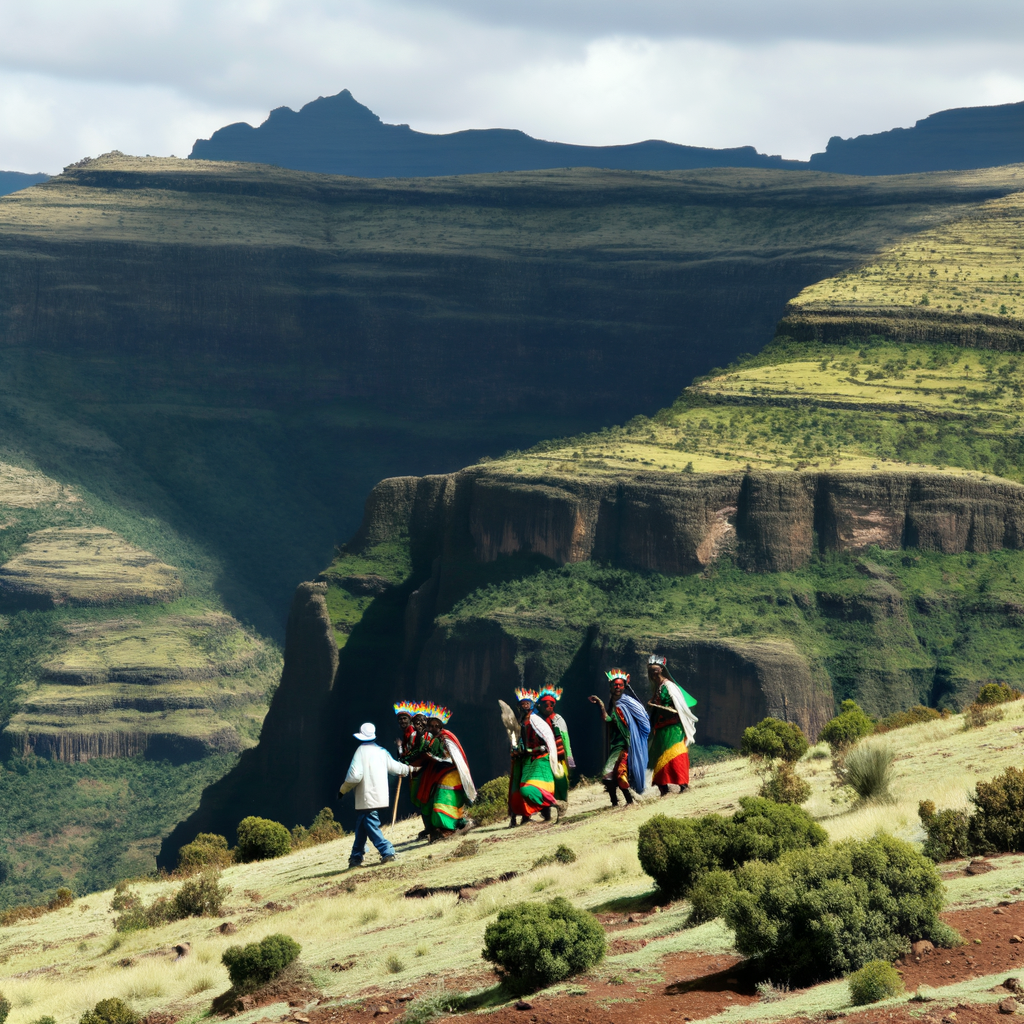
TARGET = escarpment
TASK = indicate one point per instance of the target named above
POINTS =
(682, 523)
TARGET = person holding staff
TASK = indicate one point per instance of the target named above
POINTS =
(368, 776)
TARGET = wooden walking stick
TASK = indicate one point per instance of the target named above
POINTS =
(394, 813)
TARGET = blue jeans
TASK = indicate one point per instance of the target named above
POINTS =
(368, 827)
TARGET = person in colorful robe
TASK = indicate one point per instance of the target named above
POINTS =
(408, 738)
(537, 764)
(546, 700)
(445, 788)
(628, 728)
(673, 726)
(516, 807)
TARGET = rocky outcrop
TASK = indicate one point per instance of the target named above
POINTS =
(680, 523)
(923, 325)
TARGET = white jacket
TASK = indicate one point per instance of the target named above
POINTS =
(368, 776)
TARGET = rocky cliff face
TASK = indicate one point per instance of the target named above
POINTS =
(458, 525)
(681, 523)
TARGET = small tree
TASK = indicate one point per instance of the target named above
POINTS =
(850, 725)
(998, 823)
(255, 965)
(772, 737)
(537, 944)
(784, 786)
(261, 839)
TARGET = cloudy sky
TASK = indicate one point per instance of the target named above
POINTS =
(80, 77)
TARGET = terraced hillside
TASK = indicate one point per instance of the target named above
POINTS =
(124, 688)
(374, 939)
(827, 519)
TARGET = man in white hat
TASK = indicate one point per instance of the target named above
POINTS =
(368, 776)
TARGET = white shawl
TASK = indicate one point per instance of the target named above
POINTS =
(687, 719)
(463, 769)
(545, 732)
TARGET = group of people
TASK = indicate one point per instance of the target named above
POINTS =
(657, 735)
(441, 786)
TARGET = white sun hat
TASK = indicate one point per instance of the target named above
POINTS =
(367, 731)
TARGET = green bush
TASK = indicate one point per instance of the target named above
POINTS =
(491, 801)
(5, 1007)
(774, 738)
(323, 830)
(827, 911)
(676, 852)
(868, 769)
(997, 826)
(207, 850)
(200, 897)
(47, 1019)
(997, 693)
(948, 832)
(110, 1011)
(784, 786)
(261, 839)
(533, 945)
(710, 895)
(252, 966)
(850, 725)
(874, 981)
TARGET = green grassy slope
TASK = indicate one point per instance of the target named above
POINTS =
(387, 944)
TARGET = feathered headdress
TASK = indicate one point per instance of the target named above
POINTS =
(617, 673)
(550, 691)
(523, 694)
(407, 707)
(657, 659)
(432, 710)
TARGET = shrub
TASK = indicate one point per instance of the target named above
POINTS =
(676, 852)
(784, 786)
(47, 1019)
(252, 966)
(562, 855)
(948, 832)
(829, 910)
(774, 738)
(977, 716)
(5, 1007)
(323, 830)
(709, 896)
(533, 945)
(200, 897)
(850, 725)
(110, 1011)
(207, 850)
(912, 716)
(868, 769)
(61, 899)
(261, 839)
(997, 693)
(491, 801)
(997, 826)
(874, 981)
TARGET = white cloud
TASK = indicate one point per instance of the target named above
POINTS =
(77, 79)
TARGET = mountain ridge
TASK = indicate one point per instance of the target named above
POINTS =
(338, 135)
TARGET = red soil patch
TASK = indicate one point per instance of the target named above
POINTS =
(696, 985)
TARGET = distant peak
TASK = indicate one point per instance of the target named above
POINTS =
(342, 109)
